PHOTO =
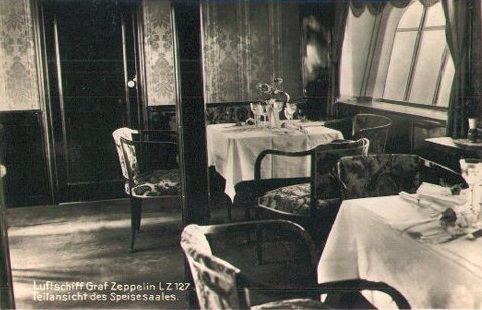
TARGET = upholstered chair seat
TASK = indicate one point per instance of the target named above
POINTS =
(296, 199)
(156, 183)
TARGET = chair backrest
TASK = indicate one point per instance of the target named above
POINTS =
(379, 174)
(144, 153)
(126, 133)
(373, 127)
(324, 181)
(267, 260)
(389, 174)
(215, 280)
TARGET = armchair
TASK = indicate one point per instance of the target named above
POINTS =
(266, 265)
(312, 202)
(149, 165)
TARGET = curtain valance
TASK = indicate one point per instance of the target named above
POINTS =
(376, 7)
(464, 98)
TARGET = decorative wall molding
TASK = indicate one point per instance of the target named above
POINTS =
(18, 71)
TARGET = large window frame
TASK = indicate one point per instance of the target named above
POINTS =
(367, 50)
(420, 33)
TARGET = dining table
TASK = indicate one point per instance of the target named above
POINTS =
(399, 242)
(232, 149)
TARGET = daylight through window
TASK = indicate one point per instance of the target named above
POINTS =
(420, 69)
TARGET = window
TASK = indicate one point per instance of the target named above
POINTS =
(420, 70)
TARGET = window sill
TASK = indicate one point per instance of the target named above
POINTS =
(421, 112)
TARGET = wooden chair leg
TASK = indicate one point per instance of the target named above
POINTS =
(136, 212)
(248, 209)
(230, 211)
(245, 198)
(259, 246)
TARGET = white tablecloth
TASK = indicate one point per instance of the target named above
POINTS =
(233, 150)
(366, 242)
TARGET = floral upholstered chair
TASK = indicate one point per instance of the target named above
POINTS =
(148, 160)
(265, 265)
(389, 174)
(311, 202)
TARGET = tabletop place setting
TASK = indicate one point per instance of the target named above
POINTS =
(448, 213)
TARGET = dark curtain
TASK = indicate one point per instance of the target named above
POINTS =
(457, 14)
(338, 34)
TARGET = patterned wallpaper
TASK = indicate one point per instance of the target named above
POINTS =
(249, 42)
(18, 72)
(159, 53)
(244, 43)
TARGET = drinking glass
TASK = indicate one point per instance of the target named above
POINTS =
(254, 110)
(259, 111)
(290, 110)
(471, 172)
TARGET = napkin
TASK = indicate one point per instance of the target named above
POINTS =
(433, 189)
(440, 197)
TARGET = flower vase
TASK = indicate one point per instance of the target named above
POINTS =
(274, 107)
(472, 134)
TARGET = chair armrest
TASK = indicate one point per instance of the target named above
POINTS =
(338, 293)
(445, 176)
(353, 286)
(263, 154)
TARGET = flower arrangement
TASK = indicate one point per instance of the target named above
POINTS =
(273, 91)
(272, 102)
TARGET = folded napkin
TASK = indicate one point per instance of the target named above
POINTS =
(439, 197)
(433, 189)
(434, 201)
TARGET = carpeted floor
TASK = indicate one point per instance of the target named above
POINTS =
(76, 256)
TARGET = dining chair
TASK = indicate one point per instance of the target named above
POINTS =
(374, 127)
(389, 174)
(149, 165)
(267, 265)
(312, 202)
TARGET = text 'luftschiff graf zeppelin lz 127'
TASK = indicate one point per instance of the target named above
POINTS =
(108, 291)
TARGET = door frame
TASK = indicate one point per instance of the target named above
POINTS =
(44, 88)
